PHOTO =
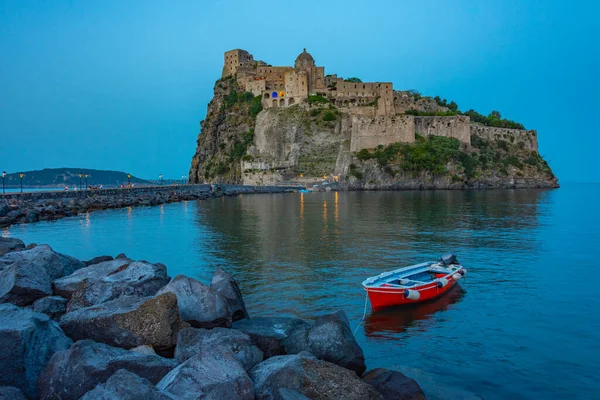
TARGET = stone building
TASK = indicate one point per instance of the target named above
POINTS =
(283, 86)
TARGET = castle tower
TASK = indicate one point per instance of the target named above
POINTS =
(234, 59)
(315, 75)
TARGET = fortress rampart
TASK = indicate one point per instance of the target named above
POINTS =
(454, 127)
(370, 132)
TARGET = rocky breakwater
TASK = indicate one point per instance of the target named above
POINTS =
(123, 329)
(19, 208)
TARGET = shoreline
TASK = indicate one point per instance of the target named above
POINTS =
(31, 207)
(90, 329)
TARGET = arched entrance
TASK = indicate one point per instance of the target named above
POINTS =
(274, 102)
(291, 101)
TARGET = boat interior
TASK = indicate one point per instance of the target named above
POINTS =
(410, 277)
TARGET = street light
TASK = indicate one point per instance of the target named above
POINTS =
(129, 180)
(80, 176)
(3, 176)
(160, 179)
(86, 181)
(21, 176)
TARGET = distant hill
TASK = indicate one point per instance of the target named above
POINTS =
(59, 177)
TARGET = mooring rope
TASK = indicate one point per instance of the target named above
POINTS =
(364, 313)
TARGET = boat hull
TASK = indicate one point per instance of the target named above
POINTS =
(382, 297)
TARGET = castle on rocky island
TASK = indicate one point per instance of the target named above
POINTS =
(298, 124)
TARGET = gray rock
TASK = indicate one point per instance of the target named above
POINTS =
(121, 256)
(394, 385)
(331, 339)
(308, 376)
(228, 288)
(32, 217)
(128, 322)
(72, 373)
(11, 393)
(297, 340)
(125, 385)
(27, 275)
(214, 374)
(27, 341)
(4, 209)
(138, 278)
(22, 284)
(97, 260)
(52, 306)
(55, 265)
(10, 244)
(193, 341)
(71, 261)
(200, 305)
(66, 286)
(269, 333)
(288, 394)
(14, 214)
(145, 349)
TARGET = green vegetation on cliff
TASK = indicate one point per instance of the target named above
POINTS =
(229, 126)
(440, 156)
(493, 119)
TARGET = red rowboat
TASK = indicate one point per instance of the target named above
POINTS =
(414, 284)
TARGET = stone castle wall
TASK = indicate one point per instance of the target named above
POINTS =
(454, 127)
(525, 139)
(370, 132)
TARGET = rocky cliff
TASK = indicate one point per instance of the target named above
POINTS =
(315, 141)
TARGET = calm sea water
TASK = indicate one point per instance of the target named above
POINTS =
(524, 323)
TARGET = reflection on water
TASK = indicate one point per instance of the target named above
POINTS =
(307, 254)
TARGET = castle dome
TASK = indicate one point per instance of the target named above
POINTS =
(304, 60)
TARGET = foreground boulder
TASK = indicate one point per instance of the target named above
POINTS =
(213, 374)
(11, 393)
(124, 385)
(200, 305)
(304, 374)
(72, 373)
(224, 283)
(22, 284)
(27, 341)
(138, 278)
(52, 306)
(269, 333)
(128, 322)
(10, 244)
(193, 341)
(27, 275)
(55, 265)
(68, 285)
(97, 260)
(394, 385)
(331, 339)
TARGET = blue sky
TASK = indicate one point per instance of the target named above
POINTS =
(124, 84)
